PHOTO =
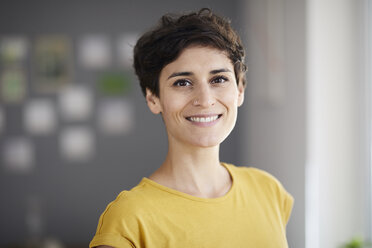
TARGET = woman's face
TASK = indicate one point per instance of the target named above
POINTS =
(198, 97)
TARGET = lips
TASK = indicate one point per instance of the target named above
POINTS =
(203, 119)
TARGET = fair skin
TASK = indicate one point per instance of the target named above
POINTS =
(198, 100)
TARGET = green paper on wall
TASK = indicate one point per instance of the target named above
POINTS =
(12, 86)
(114, 83)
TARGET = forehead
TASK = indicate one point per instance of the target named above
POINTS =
(198, 59)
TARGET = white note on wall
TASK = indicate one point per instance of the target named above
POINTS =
(115, 116)
(76, 103)
(95, 52)
(18, 155)
(40, 117)
(77, 144)
(125, 45)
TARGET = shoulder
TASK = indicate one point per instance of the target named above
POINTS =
(253, 174)
(126, 203)
(259, 180)
(122, 215)
(264, 186)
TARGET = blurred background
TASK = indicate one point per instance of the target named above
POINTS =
(75, 129)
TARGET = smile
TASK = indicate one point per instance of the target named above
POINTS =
(203, 119)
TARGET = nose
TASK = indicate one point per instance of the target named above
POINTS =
(204, 97)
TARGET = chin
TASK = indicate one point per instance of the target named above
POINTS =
(208, 142)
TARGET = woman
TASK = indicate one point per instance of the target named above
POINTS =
(191, 72)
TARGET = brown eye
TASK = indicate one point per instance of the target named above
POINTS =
(219, 80)
(182, 83)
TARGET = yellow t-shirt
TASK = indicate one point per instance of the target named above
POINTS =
(254, 213)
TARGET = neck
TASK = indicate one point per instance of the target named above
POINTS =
(192, 161)
(194, 170)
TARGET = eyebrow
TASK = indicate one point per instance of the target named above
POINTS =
(187, 73)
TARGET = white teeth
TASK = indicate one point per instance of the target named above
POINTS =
(204, 119)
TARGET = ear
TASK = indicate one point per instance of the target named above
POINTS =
(241, 89)
(153, 102)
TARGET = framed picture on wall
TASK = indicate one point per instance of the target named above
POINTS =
(53, 63)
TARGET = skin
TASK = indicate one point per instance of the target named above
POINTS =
(200, 83)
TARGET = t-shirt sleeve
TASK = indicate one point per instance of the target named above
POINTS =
(110, 239)
(112, 229)
(287, 204)
(283, 200)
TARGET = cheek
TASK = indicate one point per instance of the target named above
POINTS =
(173, 106)
(230, 98)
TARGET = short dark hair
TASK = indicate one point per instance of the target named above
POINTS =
(164, 43)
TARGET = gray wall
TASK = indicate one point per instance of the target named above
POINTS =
(72, 196)
(275, 107)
